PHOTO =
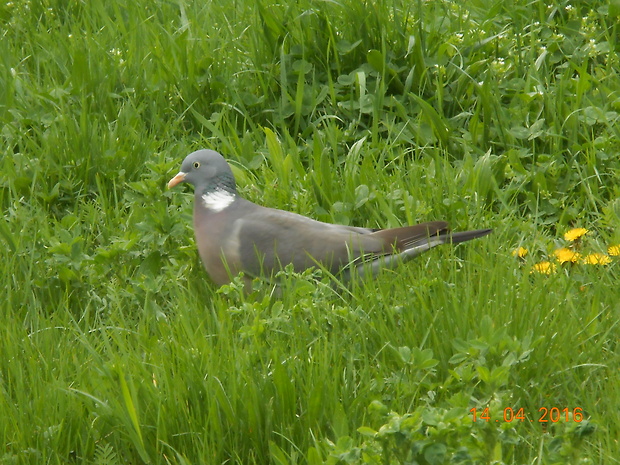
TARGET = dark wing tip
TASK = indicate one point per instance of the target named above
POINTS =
(404, 237)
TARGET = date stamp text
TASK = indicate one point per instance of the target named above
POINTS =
(545, 415)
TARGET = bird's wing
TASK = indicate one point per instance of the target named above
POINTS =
(269, 239)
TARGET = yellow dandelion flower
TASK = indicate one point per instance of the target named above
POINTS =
(521, 252)
(544, 268)
(575, 234)
(596, 258)
(614, 250)
(565, 255)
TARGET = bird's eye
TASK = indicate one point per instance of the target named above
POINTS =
(196, 165)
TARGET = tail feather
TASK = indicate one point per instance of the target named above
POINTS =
(462, 236)
(409, 242)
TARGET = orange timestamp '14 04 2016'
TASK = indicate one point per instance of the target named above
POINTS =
(546, 415)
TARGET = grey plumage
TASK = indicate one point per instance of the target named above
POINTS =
(234, 234)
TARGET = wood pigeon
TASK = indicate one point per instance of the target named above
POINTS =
(234, 234)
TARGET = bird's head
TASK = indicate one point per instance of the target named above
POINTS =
(207, 171)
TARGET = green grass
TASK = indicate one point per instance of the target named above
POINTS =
(115, 348)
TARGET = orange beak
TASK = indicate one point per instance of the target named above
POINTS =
(176, 180)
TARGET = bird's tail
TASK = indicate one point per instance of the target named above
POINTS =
(462, 236)
(414, 248)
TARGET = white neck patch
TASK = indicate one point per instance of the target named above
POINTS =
(217, 200)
